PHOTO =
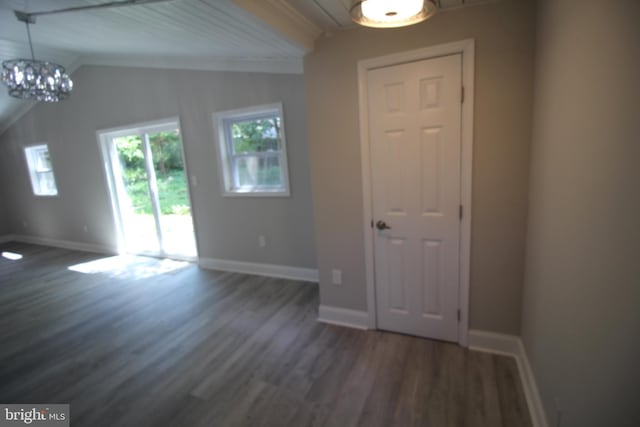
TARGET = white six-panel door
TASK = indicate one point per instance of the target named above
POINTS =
(415, 139)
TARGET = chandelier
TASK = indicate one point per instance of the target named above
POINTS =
(42, 80)
(33, 79)
(391, 13)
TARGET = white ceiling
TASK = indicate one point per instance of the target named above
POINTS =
(327, 14)
(212, 27)
(190, 34)
(196, 34)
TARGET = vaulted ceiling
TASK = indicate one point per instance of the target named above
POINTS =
(242, 35)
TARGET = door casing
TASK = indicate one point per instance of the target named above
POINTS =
(102, 136)
(467, 50)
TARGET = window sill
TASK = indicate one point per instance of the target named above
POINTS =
(256, 193)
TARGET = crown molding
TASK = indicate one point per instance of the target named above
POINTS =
(203, 63)
(284, 18)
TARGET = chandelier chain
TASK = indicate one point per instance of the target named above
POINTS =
(33, 57)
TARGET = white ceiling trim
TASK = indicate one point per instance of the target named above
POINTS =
(218, 63)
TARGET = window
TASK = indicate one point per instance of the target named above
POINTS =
(252, 151)
(40, 170)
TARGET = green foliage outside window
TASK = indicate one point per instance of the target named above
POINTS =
(255, 136)
(166, 153)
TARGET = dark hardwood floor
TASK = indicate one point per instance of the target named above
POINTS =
(135, 341)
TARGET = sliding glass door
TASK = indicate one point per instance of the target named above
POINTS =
(149, 190)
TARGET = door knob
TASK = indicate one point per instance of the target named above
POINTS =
(381, 225)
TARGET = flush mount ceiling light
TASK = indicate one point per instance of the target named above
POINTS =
(42, 80)
(391, 13)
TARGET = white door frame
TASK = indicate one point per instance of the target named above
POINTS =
(467, 50)
(104, 135)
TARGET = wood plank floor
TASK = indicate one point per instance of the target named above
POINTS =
(131, 341)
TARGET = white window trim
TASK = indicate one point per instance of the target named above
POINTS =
(223, 148)
(33, 173)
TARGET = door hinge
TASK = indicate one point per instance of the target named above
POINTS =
(460, 212)
(462, 95)
(459, 316)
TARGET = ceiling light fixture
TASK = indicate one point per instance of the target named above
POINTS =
(33, 79)
(42, 80)
(391, 13)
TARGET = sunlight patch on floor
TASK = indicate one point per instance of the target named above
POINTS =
(11, 256)
(129, 266)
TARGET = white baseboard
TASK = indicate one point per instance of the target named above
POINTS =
(491, 342)
(270, 270)
(511, 345)
(529, 383)
(281, 271)
(64, 244)
(343, 317)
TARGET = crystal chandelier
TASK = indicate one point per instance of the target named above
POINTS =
(391, 13)
(33, 79)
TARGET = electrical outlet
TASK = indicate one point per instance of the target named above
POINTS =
(262, 241)
(194, 181)
(336, 276)
(85, 228)
(25, 224)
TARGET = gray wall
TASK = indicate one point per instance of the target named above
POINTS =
(581, 309)
(6, 181)
(504, 35)
(4, 221)
(106, 97)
